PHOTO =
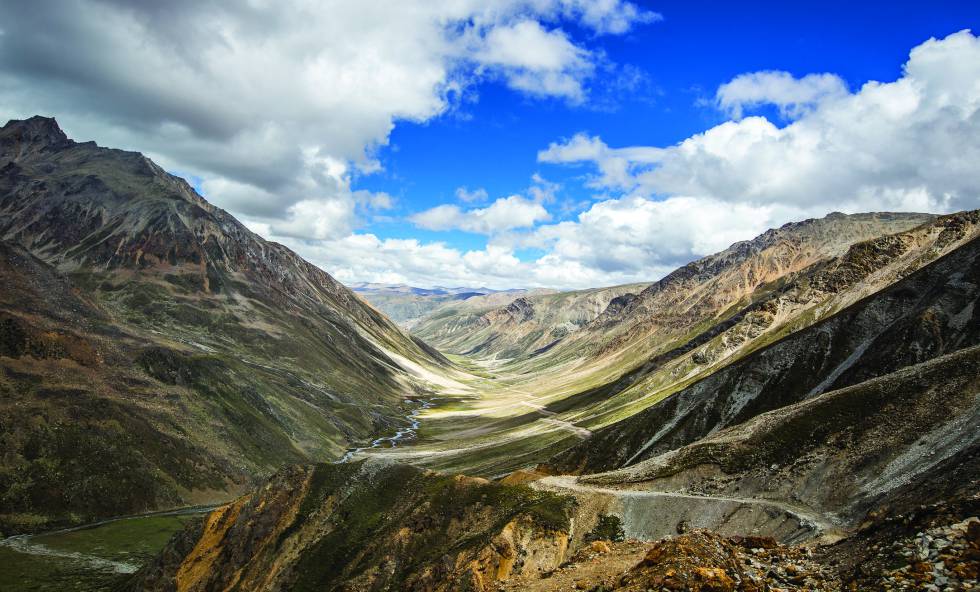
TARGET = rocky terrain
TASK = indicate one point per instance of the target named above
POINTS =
(842, 455)
(927, 314)
(154, 352)
(528, 409)
(367, 526)
(798, 412)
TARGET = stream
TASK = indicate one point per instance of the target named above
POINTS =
(24, 543)
(406, 433)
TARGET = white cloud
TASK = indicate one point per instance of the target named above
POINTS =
(909, 144)
(912, 144)
(273, 104)
(475, 196)
(506, 213)
(535, 60)
(616, 166)
(793, 96)
(609, 16)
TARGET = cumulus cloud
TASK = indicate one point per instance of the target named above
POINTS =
(274, 105)
(506, 213)
(535, 60)
(609, 16)
(616, 165)
(793, 96)
(911, 144)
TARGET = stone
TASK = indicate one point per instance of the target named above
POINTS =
(714, 579)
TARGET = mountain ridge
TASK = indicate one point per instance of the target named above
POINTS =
(188, 330)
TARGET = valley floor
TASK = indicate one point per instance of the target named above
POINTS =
(91, 558)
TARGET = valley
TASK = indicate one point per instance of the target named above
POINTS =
(187, 406)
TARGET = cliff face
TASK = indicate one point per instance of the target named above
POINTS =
(367, 526)
(155, 352)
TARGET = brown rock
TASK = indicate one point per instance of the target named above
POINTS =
(713, 579)
(599, 547)
(973, 534)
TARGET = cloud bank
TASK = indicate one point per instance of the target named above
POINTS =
(276, 107)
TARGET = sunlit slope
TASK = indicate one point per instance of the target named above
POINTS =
(533, 408)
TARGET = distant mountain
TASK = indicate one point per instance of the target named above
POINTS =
(704, 317)
(516, 327)
(858, 433)
(154, 352)
(406, 305)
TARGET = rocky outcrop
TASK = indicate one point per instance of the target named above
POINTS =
(367, 526)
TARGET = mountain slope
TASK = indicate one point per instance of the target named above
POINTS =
(537, 406)
(867, 440)
(927, 314)
(853, 430)
(362, 526)
(139, 321)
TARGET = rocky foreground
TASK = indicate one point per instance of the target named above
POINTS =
(372, 526)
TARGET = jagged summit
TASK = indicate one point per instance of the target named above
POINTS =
(31, 134)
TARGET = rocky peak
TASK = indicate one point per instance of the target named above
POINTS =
(21, 136)
(520, 310)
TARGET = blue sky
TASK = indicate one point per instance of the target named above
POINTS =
(492, 142)
(595, 143)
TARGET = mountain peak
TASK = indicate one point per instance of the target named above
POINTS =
(38, 131)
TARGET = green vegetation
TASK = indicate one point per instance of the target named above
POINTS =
(74, 560)
(372, 507)
(609, 528)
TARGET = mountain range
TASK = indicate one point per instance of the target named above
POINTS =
(799, 411)
(407, 305)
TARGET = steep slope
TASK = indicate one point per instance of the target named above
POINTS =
(853, 433)
(867, 440)
(930, 313)
(524, 326)
(156, 352)
(365, 526)
(870, 447)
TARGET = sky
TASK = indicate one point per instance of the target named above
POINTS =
(517, 143)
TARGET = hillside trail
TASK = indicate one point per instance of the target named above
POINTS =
(650, 514)
(805, 515)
